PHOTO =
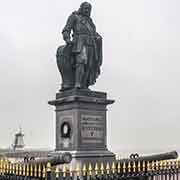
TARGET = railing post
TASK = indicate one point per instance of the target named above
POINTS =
(84, 172)
(177, 169)
(102, 170)
(57, 172)
(70, 172)
(48, 171)
(64, 172)
(90, 171)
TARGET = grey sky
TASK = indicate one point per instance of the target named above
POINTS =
(141, 44)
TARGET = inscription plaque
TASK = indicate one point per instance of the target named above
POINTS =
(92, 129)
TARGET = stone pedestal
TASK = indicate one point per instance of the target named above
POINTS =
(81, 125)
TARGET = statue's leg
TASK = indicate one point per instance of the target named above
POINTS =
(89, 68)
(81, 59)
(79, 75)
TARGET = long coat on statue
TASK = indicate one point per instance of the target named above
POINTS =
(85, 38)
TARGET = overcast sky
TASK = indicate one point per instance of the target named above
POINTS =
(140, 71)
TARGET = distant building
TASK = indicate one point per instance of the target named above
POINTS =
(18, 151)
(19, 141)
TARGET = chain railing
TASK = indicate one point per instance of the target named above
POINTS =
(117, 170)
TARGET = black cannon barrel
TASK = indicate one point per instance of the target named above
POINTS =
(61, 158)
(156, 157)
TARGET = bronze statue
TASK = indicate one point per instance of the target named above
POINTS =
(80, 59)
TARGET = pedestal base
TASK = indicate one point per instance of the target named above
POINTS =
(81, 125)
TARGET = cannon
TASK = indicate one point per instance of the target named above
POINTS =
(60, 158)
(156, 157)
(140, 160)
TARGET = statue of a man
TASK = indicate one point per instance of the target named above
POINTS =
(86, 46)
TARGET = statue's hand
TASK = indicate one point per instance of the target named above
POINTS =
(68, 41)
(98, 37)
(99, 64)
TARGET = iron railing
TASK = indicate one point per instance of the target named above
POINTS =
(117, 170)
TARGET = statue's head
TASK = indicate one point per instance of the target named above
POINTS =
(85, 9)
